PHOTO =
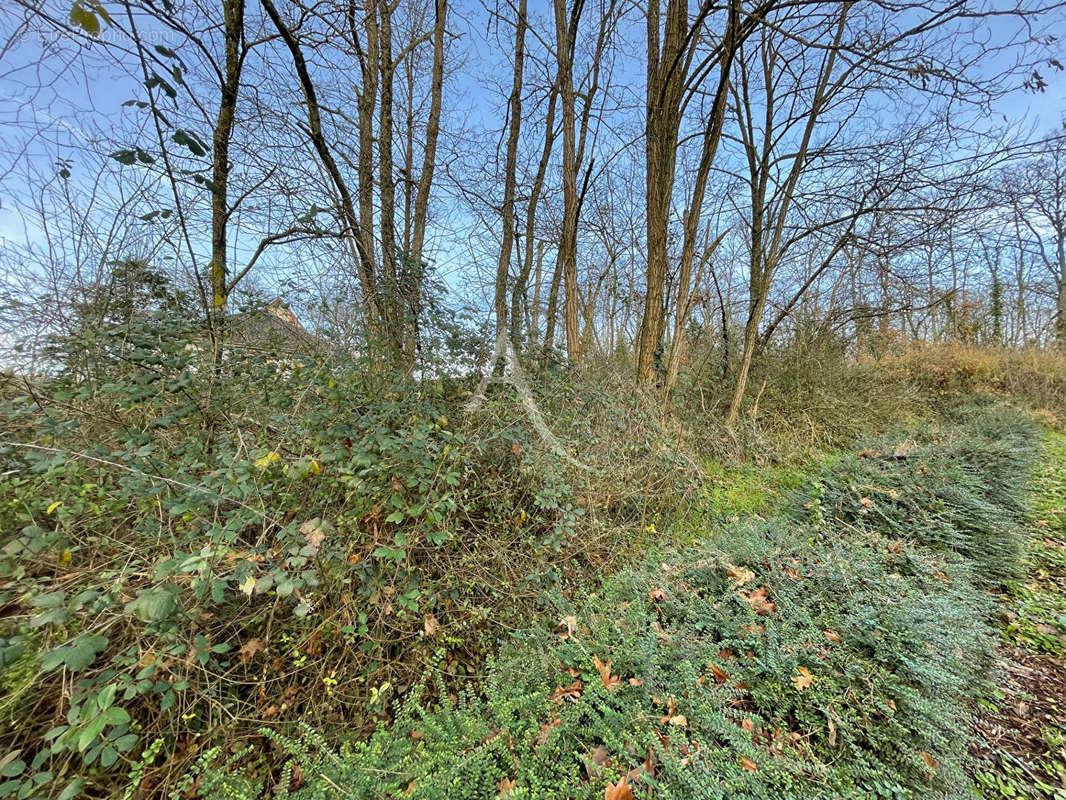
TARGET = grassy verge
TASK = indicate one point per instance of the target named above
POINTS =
(1022, 729)
(828, 651)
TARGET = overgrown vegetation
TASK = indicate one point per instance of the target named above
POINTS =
(765, 663)
(193, 561)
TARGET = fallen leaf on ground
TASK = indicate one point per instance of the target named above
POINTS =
(658, 595)
(430, 625)
(803, 679)
(248, 650)
(758, 601)
(720, 675)
(747, 764)
(928, 759)
(831, 635)
(610, 682)
(679, 721)
(618, 791)
(505, 786)
(740, 575)
(571, 693)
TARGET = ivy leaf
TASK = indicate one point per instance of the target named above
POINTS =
(76, 655)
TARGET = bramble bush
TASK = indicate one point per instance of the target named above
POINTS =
(190, 554)
(830, 651)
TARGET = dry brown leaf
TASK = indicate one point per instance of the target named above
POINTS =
(248, 650)
(566, 627)
(740, 575)
(752, 630)
(571, 693)
(678, 720)
(618, 791)
(831, 635)
(748, 725)
(505, 786)
(928, 759)
(636, 682)
(430, 625)
(803, 679)
(658, 595)
(610, 682)
(758, 601)
(748, 764)
(720, 675)
(542, 737)
(832, 732)
(599, 756)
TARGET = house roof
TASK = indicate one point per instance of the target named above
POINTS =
(273, 328)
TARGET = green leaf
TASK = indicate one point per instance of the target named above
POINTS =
(126, 157)
(90, 732)
(84, 19)
(13, 769)
(395, 516)
(109, 756)
(106, 697)
(153, 605)
(73, 789)
(76, 655)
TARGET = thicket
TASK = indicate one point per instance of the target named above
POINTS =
(827, 652)
(191, 553)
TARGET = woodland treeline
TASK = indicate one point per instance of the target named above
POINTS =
(671, 184)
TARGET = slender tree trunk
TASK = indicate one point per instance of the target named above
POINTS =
(514, 112)
(318, 139)
(521, 287)
(565, 35)
(233, 20)
(395, 318)
(413, 282)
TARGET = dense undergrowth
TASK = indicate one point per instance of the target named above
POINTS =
(189, 559)
(828, 651)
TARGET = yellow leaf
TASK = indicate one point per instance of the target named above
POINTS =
(270, 458)
(679, 720)
(803, 679)
(64, 557)
(248, 585)
(54, 506)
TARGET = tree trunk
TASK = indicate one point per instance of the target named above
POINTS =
(514, 112)
(233, 15)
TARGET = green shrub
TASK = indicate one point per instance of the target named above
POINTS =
(188, 555)
(823, 653)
